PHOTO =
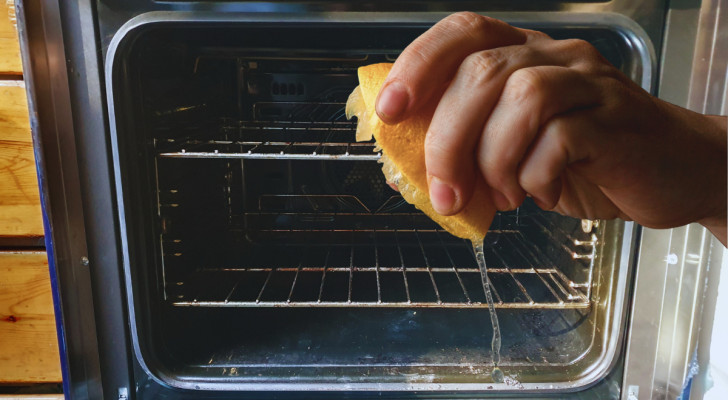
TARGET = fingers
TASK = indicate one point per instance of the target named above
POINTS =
(500, 84)
(541, 173)
(428, 63)
(581, 198)
(530, 98)
(459, 118)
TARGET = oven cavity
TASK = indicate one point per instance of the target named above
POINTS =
(264, 240)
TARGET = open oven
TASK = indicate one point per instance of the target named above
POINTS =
(252, 208)
(236, 240)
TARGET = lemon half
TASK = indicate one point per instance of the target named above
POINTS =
(403, 156)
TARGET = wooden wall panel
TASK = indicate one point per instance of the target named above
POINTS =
(20, 212)
(28, 344)
(9, 49)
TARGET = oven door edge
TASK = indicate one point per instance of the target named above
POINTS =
(62, 69)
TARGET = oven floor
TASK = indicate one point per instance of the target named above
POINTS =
(371, 337)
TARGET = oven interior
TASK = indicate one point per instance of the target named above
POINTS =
(264, 246)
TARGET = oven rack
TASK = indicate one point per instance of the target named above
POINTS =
(272, 140)
(336, 275)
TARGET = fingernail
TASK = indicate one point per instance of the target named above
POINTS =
(501, 201)
(442, 196)
(392, 101)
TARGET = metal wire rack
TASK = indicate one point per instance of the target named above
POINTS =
(336, 251)
(268, 140)
(395, 269)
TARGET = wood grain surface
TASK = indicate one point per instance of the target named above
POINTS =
(28, 343)
(9, 48)
(31, 397)
(29, 347)
(20, 212)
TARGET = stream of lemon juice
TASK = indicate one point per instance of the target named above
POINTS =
(356, 107)
(495, 344)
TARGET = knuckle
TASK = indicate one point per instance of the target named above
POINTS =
(482, 66)
(577, 44)
(582, 48)
(536, 35)
(613, 77)
(554, 129)
(497, 171)
(438, 147)
(524, 85)
(444, 159)
(560, 131)
(417, 53)
(468, 22)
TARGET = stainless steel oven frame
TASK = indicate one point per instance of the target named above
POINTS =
(66, 47)
(641, 67)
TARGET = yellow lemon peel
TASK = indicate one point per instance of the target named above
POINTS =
(403, 157)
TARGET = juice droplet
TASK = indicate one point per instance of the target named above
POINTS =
(495, 344)
(497, 375)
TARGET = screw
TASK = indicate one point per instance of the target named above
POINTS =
(84, 261)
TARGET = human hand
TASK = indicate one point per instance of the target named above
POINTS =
(554, 120)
